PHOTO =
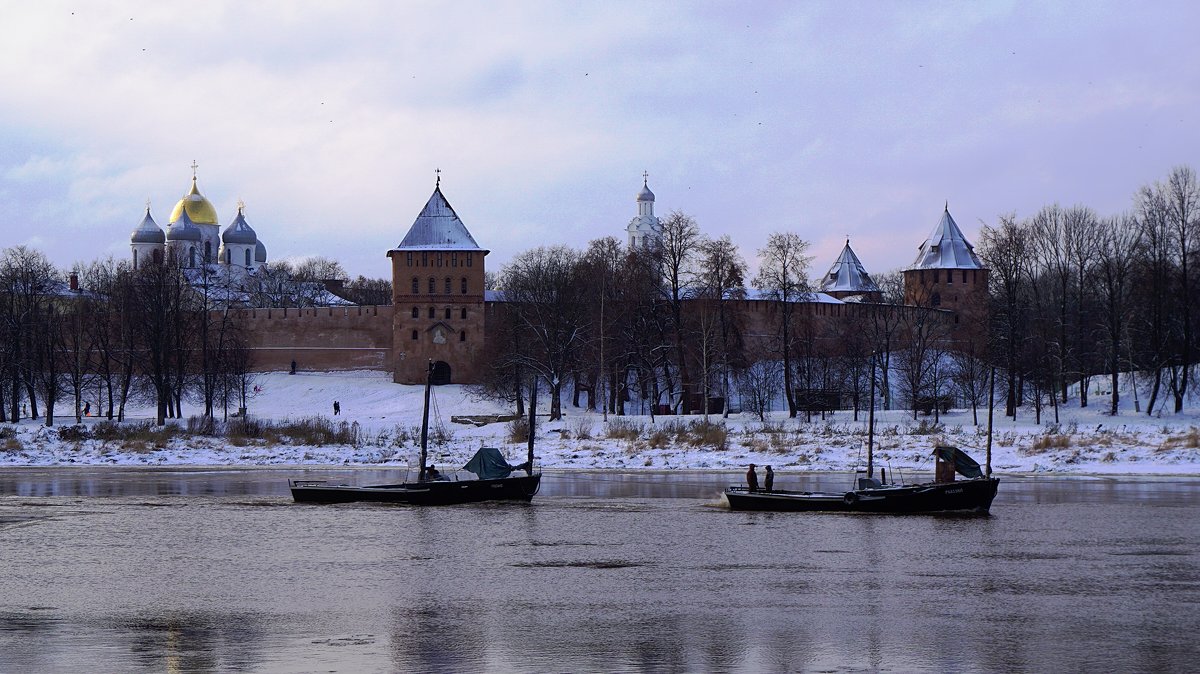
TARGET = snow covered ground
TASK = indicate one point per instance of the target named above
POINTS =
(388, 416)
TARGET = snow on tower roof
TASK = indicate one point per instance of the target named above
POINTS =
(438, 228)
(847, 275)
(946, 248)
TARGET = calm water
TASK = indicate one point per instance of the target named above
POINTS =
(127, 570)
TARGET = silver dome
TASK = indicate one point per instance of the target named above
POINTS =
(183, 229)
(260, 252)
(645, 194)
(239, 232)
(148, 231)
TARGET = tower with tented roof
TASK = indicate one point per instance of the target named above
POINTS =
(848, 279)
(438, 297)
(947, 274)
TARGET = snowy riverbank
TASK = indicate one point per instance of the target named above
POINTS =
(1086, 441)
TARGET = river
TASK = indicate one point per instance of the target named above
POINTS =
(131, 570)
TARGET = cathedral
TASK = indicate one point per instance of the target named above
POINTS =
(193, 237)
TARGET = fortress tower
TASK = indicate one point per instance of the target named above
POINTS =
(948, 275)
(437, 294)
(848, 278)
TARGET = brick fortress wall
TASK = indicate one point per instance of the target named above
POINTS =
(321, 338)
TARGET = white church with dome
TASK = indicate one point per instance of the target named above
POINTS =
(644, 228)
(194, 237)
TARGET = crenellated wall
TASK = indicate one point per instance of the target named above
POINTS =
(321, 338)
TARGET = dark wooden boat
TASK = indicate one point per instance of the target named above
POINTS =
(494, 480)
(516, 488)
(870, 495)
(875, 496)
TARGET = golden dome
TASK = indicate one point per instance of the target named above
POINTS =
(199, 209)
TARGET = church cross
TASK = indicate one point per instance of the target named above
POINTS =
(438, 173)
(194, 167)
(645, 178)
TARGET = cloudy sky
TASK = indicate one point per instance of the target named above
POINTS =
(826, 119)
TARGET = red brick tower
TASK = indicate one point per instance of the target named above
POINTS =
(437, 293)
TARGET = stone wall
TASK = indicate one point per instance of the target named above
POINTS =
(321, 338)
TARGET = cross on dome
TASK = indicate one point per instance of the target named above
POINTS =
(194, 167)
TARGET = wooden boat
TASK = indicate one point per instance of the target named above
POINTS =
(944, 494)
(494, 480)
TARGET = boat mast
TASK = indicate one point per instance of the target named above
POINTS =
(532, 420)
(871, 424)
(425, 422)
(991, 409)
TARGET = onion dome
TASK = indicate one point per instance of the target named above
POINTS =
(199, 209)
(645, 194)
(183, 229)
(260, 252)
(238, 231)
(148, 231)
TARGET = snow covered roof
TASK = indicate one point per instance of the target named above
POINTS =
(848, 275)
(438, 228)
(815, 298)
(946, 248)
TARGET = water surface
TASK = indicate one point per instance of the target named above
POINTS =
(201, 570)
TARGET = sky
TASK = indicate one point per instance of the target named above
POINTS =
(830, 120)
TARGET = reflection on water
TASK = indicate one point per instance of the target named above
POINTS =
(155, 570)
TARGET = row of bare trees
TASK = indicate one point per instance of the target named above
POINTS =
(661, 326)
(1076, 295)
(110, 334)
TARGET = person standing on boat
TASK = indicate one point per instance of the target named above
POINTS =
(752, 479)
(769, 482)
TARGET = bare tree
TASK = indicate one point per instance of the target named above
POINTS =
(544, 293)
(1118, 248)
(757, 385)
(722, 277)
(675, 251)
(783, 277)
(1005, 249)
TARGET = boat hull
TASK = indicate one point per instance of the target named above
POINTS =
(959, 496)
(520, 488)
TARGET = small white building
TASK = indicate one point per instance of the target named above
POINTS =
(644, 228)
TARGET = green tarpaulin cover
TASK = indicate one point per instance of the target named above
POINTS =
(489, 464)
(963, 464)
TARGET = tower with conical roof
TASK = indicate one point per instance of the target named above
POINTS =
(848, 278)
(947, 274)
(438, 297)
(644, 228)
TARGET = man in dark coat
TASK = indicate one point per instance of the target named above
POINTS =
(769, 482)
(752, 479)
